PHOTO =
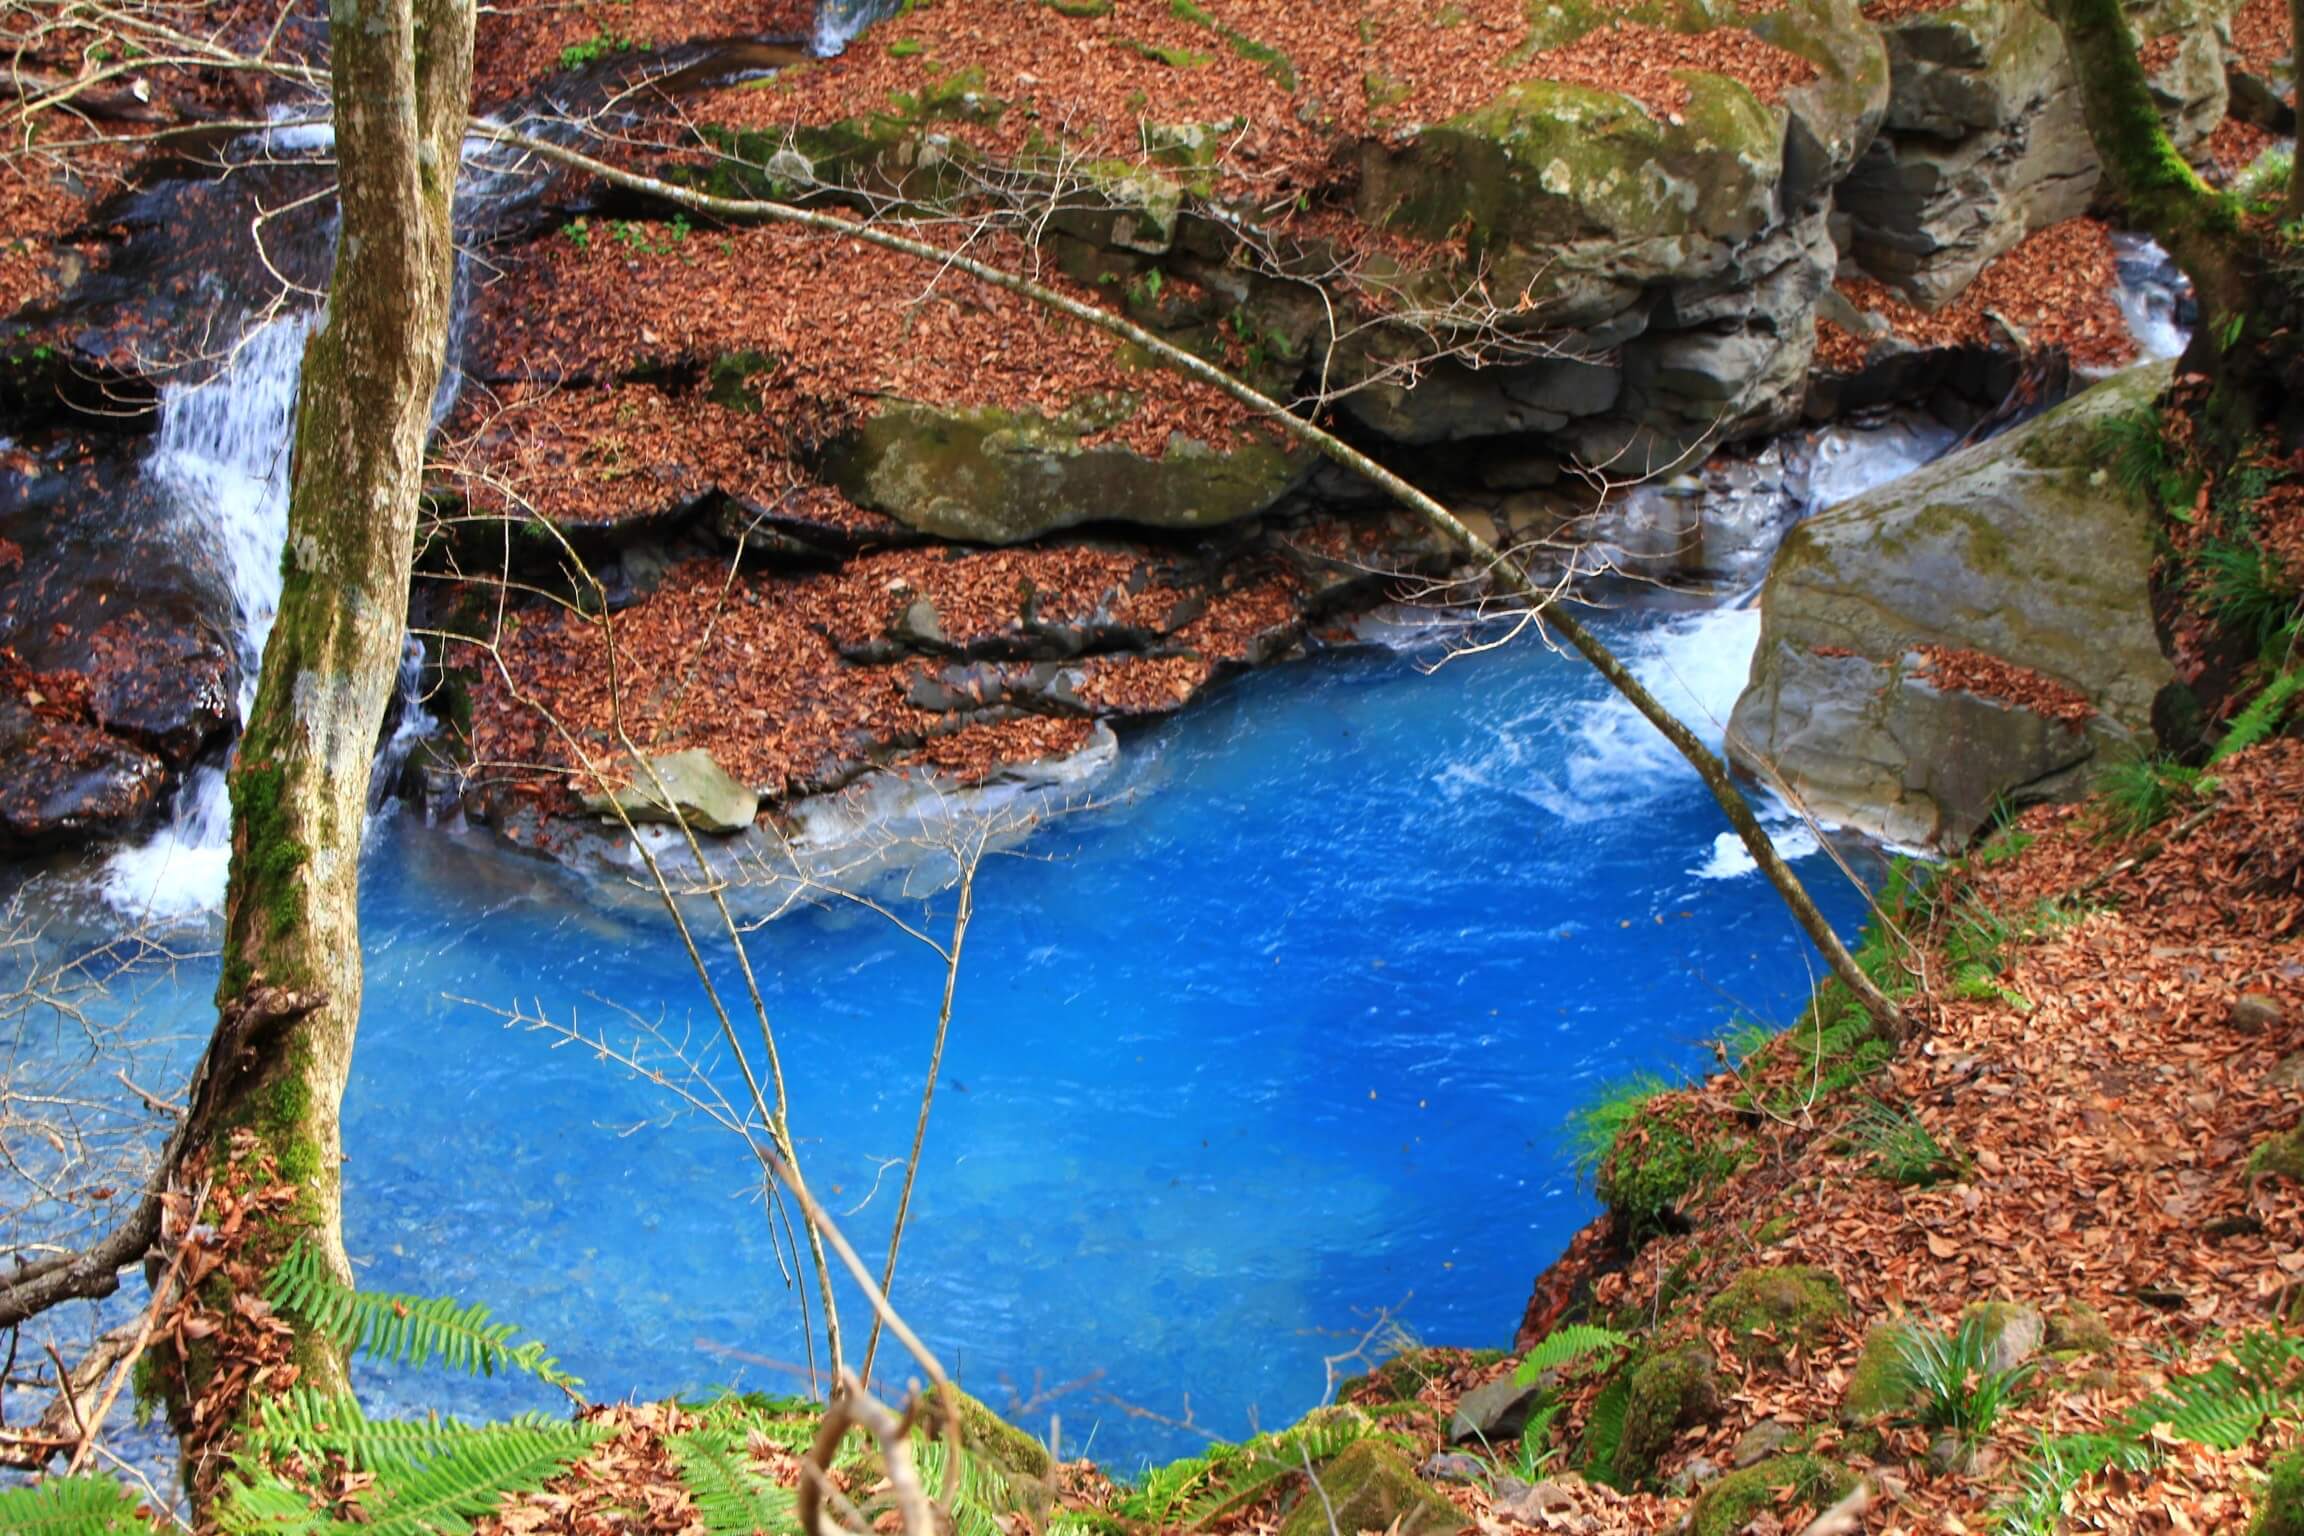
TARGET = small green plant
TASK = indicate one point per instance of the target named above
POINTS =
(579, 233)
(2246, 589)
(1594, 1129)
(1900, 1148)
(2138, 793)
(1563, 1347)
(2261, 718)
(594, 48)
(1960, 1390)
(2143, 463)
(1186, 1495)
(1537, 1452)
(907, 48)
(2260, 1381)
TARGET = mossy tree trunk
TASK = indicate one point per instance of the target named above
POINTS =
(289, 999)
(2243, 269)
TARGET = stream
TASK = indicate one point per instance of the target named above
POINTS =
(1261, 1059)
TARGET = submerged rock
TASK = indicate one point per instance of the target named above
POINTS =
(2026, 549)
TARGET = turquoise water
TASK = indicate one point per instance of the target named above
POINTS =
(1277, 1046)
(1270, 1048)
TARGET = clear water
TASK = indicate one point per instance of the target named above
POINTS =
(1277, 1045)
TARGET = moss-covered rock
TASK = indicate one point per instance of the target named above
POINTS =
(2025, 548)
(1773, 1311)
(1662, 1159)
(2279, 1156)
(1669, 1392)
(1732, 1503)
(1000, 477)
(993, 1439)
(2280, 1512)
(1879, 1385)
(1371, 1487)
(2078, 1329)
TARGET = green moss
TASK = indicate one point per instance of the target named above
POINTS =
(273, 861)
(1667, 1393)
(2281, 1511)
(994, 1438)
(1371, 1487)
(1735, 1501)
(2079, 1329)
(2279, 1156)
(1667, 1154)
(1773, 1311)
(1879, 1385)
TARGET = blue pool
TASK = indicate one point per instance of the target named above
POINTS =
(1272, 1047)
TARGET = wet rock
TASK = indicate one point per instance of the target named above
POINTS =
(703, 794)
(2253, 1013)
(65, 783)
(2024, 548)
(1984, 142)
(1496, 1411)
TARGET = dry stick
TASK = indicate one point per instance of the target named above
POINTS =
(960, 918)
(161, 1295)
(1510, 573)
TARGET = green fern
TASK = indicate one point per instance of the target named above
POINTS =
(730, 1499)
(317, 1424)
(471, 1473)
(71, 1506)
(409, 1330)
(1604, 1428)
(2224, 1406)
(1188, 1494)
(2262, 716)
(1564, 1346)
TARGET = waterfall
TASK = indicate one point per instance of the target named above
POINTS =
(840, 22)
(220, 459)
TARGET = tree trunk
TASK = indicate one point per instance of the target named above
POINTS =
(2246, 343)
(289, 999)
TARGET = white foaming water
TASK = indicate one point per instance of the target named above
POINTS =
(839, 22)
(221, 455)
(2149, 291)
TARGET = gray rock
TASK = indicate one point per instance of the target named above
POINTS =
(1984, 142)
(919, 625)
(1760, 1442)
(2288, 1072)
(1530, 1503)
(1497, 1411)
(1452, 1467)
(2024, 548)
(2017, 1331)
(2253, 1013)
(1694, 1475)
(701, 791)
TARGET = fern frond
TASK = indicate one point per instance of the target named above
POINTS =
(473, 1477)
(730, 1499)
(2262, 715)
(71, 1506)
(1564, 1346)
(408, 1330)
(319, 1424)
(982, 1493)
(259, 1503)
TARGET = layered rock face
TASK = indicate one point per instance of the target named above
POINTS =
(1983, 141)
(2020, 568)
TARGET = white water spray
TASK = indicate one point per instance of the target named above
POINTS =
(221, 457)
(840, 22)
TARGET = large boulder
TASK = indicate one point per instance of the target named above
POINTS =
(1984, 141)
(998, 476)
(1676, 257)
(2025, 550)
